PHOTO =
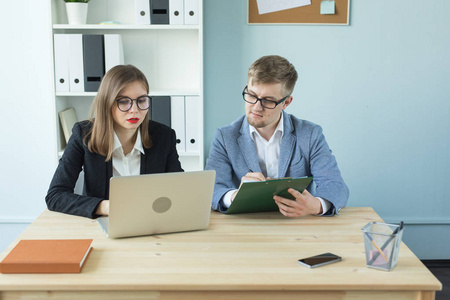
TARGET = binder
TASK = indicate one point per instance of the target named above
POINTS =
(192, 119)
(93, 61)
(68, 118)
(160, 110)
(113, 51)
(178, 121)
(176, 11)
(61, 48)
(142, 12)
(76, 72)
(263, 191)
(159, 11)
(191, 12)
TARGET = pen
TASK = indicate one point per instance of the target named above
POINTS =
(376, 246)
(400, 227)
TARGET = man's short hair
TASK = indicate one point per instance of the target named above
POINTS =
(273, 69)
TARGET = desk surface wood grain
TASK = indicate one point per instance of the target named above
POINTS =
(238, 253)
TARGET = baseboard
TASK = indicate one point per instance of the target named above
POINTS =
(436, 263)
(16, 220)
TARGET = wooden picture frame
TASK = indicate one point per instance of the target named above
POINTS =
(305, 15)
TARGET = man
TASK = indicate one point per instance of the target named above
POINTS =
(269, 143)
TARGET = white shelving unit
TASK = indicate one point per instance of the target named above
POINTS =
(171, 57)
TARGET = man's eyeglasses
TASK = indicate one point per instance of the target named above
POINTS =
(270, 104)
(124, 103)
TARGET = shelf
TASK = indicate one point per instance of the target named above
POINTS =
(152, 93)
(125, 27)
(78, 94)
(170, 56)
(188, 154)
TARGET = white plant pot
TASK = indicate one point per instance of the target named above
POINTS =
(76, 13)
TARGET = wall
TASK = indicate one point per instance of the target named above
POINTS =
(27, 156)
(379, 88)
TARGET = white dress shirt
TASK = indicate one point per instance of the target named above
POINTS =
(130, 164)
(268, 157)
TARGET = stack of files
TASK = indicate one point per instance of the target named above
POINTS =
(81, 60)
(174, 12)
(181, 114)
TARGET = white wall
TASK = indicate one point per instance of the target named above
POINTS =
(27, 125)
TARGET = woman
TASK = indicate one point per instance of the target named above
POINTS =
(118, 140)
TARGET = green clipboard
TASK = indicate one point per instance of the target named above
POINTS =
(258, 196)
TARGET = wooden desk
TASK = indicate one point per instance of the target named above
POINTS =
(239, 257)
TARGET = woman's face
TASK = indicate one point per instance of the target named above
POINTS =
(129, 120)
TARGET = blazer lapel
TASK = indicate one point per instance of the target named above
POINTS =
(143, 164)
(109, 174)
(247, 147)
(287, 146)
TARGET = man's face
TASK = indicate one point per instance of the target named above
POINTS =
(259, 116)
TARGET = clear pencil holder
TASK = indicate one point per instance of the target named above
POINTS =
(382, 244)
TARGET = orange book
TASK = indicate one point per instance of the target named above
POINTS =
(47, 256)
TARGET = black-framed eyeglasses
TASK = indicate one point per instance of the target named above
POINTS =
(125, 103)
(270, 104)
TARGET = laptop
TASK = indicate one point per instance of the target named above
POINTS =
(158, 203)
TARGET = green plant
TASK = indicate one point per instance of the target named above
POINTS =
(79, 1)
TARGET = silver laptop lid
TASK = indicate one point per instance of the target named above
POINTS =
(160, 203)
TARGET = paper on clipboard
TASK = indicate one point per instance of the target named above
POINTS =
(268, 6)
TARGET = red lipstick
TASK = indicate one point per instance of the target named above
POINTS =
(133, 120)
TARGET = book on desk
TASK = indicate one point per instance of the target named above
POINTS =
(47, 256)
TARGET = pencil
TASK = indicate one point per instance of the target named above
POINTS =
(376, 246)
(400, 227)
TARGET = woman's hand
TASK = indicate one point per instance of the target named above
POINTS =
(103, 208)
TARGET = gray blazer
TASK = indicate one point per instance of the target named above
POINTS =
(303, 152)
(162, 157)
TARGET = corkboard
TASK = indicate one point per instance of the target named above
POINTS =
(309, 14)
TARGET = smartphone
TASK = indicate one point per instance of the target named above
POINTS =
(319, 260)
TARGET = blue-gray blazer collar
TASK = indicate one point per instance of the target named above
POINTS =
(247, 147)
(287, 146)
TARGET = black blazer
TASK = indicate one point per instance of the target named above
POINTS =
(162, 157)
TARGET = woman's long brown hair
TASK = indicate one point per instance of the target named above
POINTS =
(100, 139)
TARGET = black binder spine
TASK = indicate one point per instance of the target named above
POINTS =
(161, 110)
(93, 61)
(159, 11)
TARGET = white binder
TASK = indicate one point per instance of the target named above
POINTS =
(113, 51)
(176, 12)
(178, 121)
(142, 12)
(192, 119)
(191, 12)
(76, 72)
(61, 48)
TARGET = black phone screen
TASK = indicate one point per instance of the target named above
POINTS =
(319, 260)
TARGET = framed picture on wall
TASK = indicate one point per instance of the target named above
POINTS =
(306, 12)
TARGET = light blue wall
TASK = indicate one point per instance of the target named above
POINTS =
(380, 88)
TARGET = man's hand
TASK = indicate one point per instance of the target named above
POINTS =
(251, 176)
(303, 205)
(103, 208)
